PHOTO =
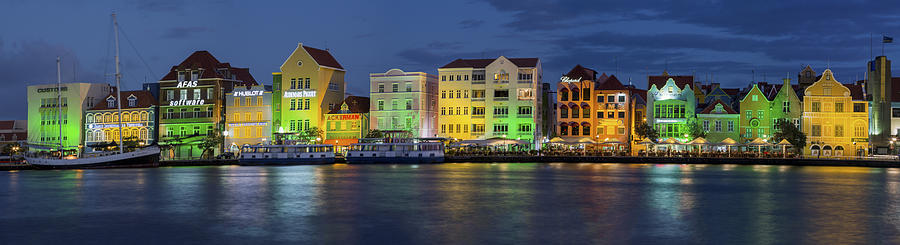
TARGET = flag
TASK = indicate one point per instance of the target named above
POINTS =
(887, 39)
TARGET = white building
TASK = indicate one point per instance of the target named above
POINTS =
(45, 112)
(404, 101)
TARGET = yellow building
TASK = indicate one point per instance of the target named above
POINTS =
(835, 118)
(310, 84)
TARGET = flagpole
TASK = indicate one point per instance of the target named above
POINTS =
(871, 54)
(882, 44)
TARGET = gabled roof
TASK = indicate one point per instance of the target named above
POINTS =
(660, 81)
(857, 91)
(712, 106)
(582, 72)
(323, 57)
(642, 93)
(144, 100)
(355, 104)
(611, 83)
(210, 65)
(482, 63)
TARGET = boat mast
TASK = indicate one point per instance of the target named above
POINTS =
(59, 107)
(118, 77)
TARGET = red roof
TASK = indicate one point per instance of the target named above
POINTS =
(712, 106)
(210, 66)
(144, 100)
(856, 91)
(660, 81)
(7, 125)
(611, 83)
(639, 92)
(355, 104)
(482, 63)
(581, 72)
(323, 57)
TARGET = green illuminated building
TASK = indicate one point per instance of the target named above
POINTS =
(47, 117)
(671, 106)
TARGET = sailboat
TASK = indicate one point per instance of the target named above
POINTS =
(143, 157)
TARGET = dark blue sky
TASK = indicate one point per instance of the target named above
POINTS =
(728, 39)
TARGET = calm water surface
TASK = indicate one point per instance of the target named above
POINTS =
(453, 203)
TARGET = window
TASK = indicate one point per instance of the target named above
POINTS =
(466, 93)
(610, 99)
(563, 95)
(621, 114)
(501, 127)
(466, 77)
(586, 94)
(621, 130)
(132, 101)
(838, 107)
(248, 101)
(525, 94)
(409, 104)
(524, 110)
(718, 126)
(209, 93)
(816, 107)
(395, 87)
(458, 77)
(170, 95)
(859, 130)
(563, 130)
(706, 125)
(525, 127)
(730, 126)
(621, 98)
(600, 98)
(408, 86)
(306, 106)
(259, 101)
(458, 94)
(180, 76)
(443, 110)
(259, 116)
(600, 114)
(816, 130)
(183, 94)
(477, 110)
(755, 97)
(748, 114)
(451, 77)
(477, 93)
(895, 112)
(585, 130)
(859, 107)
(111, 102)
(196, 94)
(786, 106)
(478, 128)
(381, 87)
(501, 110)
(308, 83)
(564, 112)
(586, 112)
(501, 93)
(443, 94)
(760, 114)
(575, 112)
(293, 103)
(443, 78)
(575, 129)
(838, 130)
(195, 75)
(610, 114)
(575, 96)
(394, 105)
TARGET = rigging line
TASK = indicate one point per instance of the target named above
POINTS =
(135, 50)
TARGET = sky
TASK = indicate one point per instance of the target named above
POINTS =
(729, 42)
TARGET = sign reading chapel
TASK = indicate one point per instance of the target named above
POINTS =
(566, 79)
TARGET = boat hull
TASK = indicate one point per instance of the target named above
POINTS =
(144, 158)
(284, 161)
(392, 160)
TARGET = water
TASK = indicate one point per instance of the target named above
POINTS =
(453, 203)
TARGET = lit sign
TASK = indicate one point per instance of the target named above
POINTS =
(669, 120)
(187, 84)
(299, 94)
(566, 79)
(113, 125)
(42, 90)
(248, 93)
(248, 124)
(186, 102)
(344, 117)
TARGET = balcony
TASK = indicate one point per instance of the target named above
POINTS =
(478, 82)
(525, 81)
(478, 99)
(524, 116)
(478, 116)
(501, 115)
(500, 133)
(501, 98)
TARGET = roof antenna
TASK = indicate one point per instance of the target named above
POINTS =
(326, 45)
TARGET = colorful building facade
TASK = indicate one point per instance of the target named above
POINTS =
(835, 119)
(671, 106)
(755, 118)
(192, 104)
(404, 101)
(139, 113)
(48, 118)
(879, 88)
(310, 84)
(490, 98)
(249, 116)
(575, 97)
(348, 123)
(720, 121)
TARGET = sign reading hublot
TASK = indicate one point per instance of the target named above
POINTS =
(186, 102)
(299, 94)
(248, 93)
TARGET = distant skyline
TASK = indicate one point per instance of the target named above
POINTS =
(730, 40)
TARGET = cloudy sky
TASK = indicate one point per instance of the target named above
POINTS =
(729, 41)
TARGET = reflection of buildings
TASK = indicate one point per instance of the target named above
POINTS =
(44, 113)
(139, 119)
(835, 118)
(404, 101)
(249, 117)
(488, 98)
(192, 102)
(310, 84)
(671, 105)
(347, 123)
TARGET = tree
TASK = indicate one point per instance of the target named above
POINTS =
(695, 130)
(790, 132)
(210, 143)
(375, 133)
(644, 130)
(311, 135)
(11, 149)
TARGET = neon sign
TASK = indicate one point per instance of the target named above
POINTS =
(344, 117)
(248, 124)
(299, 94)
(186, 84)
(248, 93)
(186, 102)
(566, 79)
(114, 125)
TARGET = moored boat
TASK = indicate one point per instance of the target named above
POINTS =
(396, 150)
(286, 154)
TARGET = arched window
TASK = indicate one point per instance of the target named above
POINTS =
(90, 136)
(585, 111)
(98, 135)
(575, 112)
(575, 94)
(134, 133)
(144, 134)
(144, 116)
(563, 111)
(574, 129)
(564, 94)
(89, 118)
(586, 129)
(563, 130)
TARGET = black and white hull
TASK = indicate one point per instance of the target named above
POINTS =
(144, 157)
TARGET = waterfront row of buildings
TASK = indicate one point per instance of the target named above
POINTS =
(468, 99)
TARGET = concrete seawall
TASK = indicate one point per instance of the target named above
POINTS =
(675, 160)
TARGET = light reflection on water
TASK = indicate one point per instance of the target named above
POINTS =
(454, 203)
